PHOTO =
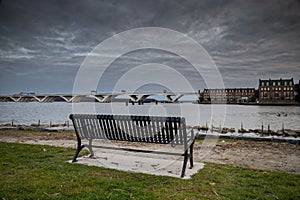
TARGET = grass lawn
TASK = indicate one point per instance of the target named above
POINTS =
(41, 172)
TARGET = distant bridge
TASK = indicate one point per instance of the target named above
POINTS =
(101, 98)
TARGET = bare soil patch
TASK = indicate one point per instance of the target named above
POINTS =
(37, 135)
(284, 157)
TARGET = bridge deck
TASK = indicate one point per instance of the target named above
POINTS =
(101, 98)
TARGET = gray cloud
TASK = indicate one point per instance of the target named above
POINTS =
(49, 39)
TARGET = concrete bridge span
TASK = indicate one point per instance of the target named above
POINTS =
(101, 98)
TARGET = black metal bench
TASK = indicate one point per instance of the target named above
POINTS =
(144, 129)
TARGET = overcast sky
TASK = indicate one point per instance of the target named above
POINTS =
(43, 43)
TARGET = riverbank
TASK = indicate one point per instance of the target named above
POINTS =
(290, 135)
(274, 156)
(253, 103)
(36, 127)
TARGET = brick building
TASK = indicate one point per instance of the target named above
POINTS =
(229, 95)
(276, 90)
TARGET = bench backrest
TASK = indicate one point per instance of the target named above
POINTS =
(150, 129)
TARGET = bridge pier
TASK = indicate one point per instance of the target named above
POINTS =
(138, 98)
(170, 97)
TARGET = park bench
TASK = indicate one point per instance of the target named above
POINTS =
(143, 129)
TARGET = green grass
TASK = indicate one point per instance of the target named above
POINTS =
(41, 172)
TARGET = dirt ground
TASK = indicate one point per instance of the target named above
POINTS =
(282, 157)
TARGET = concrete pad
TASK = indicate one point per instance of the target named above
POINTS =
(161, 165)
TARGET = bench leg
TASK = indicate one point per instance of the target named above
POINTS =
(191, 155)
(79, 147)
(90, 148)
(186, 155)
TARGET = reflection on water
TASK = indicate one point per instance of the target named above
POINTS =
(231, 116)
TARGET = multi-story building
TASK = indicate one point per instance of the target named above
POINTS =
(276, 90)
(229, 95)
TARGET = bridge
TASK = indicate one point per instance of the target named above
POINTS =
(101, 98)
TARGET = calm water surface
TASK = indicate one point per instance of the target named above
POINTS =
(225, 115)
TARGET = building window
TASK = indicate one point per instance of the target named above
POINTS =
(265, 94)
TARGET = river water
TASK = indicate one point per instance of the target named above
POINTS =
(231, 116)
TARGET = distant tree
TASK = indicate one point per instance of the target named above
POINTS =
(201, 96)
(297, 91)
(256, 94)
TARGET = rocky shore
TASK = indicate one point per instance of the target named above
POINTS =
(38, 127)
(284, 135)
(260, 132)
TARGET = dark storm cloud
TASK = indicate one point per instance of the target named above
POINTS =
(247, 39)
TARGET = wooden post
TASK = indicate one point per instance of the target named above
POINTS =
(50, 125)
(12, 122)
(39, 123)
(262, 129)
(282, 127)
(269, 129)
